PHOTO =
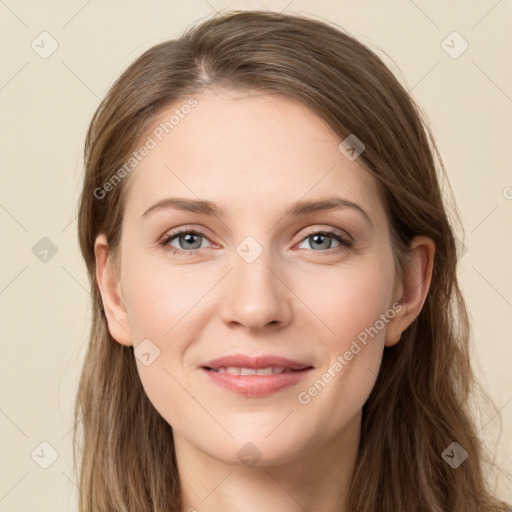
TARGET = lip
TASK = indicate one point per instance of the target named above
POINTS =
(256, 385)
(244, 361)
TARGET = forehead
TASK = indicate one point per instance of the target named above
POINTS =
(267, 149)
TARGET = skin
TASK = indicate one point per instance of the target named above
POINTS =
(254, 155)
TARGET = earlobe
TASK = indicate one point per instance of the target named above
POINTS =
(415, 286)
(109, 284)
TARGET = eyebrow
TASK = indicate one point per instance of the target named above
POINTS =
(299, 208)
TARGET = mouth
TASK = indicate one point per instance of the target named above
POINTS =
(255, 376)
(269, 370)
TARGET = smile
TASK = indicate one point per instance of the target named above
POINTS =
(255, 384)
(270, 370)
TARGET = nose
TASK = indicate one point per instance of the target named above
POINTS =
(256, 295)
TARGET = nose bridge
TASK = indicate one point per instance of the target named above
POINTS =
(256, 294)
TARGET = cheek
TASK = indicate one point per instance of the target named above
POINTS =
(355, 305)
(159, 296)
(350, 299)
(161, 302)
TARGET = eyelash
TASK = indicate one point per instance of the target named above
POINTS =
(345, 242)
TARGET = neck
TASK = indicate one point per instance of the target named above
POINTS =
(319, 480)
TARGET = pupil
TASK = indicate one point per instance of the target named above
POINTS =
(317, 237)
(189, 238)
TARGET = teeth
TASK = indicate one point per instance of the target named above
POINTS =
(270, 370)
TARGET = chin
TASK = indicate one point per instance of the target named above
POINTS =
(252, 448)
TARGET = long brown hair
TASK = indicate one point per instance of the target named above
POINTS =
(420, 403)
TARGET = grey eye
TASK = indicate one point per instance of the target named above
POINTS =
(187, 240)
(320, 240)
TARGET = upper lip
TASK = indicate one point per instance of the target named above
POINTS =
(264, 361)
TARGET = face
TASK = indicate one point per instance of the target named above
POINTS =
(307, 296)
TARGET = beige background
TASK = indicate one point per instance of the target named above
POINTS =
(46, 107)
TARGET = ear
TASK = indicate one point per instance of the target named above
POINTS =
(413, 288)
(110, 288)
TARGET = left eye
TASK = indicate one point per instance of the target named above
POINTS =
(322, 239)
(190, 241)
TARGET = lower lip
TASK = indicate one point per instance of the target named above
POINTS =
(256, 385)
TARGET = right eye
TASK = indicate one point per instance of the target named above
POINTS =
(184, 237)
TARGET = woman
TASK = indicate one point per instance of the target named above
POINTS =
(309, 349)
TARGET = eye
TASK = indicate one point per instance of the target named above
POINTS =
(323, 240)
(188, 241)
